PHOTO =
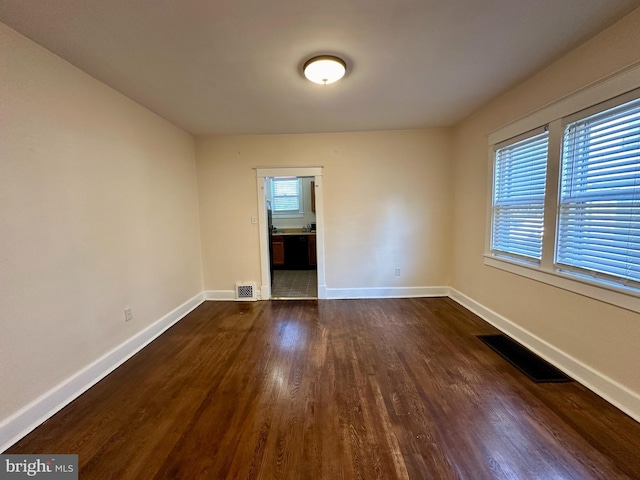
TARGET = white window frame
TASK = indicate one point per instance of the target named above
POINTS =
(299, 213)
(633, 285)
(495, 149)
(612, 91)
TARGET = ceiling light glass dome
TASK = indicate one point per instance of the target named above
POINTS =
(325, 69)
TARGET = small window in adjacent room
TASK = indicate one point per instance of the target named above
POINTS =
(286, 196)
(599, 200)
(519, 178)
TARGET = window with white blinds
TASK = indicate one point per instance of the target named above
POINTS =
(581, 231)
(520, 170)
(286, 195)
(599, 206)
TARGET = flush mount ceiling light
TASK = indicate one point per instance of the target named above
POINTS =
(324, 69)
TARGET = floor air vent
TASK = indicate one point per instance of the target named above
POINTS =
(245, 291)
(523, 359)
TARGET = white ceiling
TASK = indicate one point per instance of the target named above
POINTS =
(235, 66)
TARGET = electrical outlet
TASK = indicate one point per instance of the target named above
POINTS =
(254, 220)
(128, 314)
(397, 271)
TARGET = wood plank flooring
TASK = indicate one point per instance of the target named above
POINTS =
(350, 389)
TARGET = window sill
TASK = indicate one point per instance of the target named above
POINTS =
(288, 215)
(618, 296)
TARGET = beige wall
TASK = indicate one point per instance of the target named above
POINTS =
(98, 212)
(387, 203)
(604, 337)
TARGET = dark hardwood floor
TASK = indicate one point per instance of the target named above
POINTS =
(353, 389)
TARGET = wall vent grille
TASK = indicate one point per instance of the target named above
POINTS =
(246, 291)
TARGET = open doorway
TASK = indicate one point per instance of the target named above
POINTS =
(291, 228)
(291, 233)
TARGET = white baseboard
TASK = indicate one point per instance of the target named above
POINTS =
(265, 291)
(623, 398)
(322, 291)
(35, 413)
(385, 292)
(226, 295)
(219, 295)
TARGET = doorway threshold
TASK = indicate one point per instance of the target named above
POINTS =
(293, 298)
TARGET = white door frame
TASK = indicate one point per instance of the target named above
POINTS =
(261, 174)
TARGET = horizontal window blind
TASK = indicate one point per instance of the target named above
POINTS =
(599, 208)
(518, 202)
(286, 194)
